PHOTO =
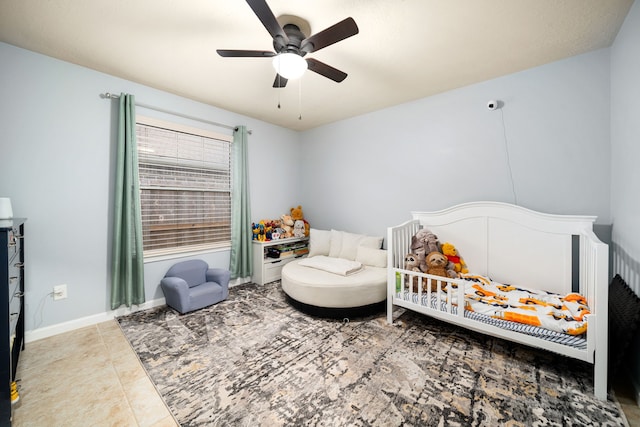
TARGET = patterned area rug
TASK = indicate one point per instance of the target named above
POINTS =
(253, 360)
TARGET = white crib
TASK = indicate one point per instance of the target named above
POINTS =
(511, 244)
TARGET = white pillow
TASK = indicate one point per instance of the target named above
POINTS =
(350, 243)
(372, 257)
(319, 242)
(336, 243)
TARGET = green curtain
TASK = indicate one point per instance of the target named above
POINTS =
(240, 264)
(127, 269)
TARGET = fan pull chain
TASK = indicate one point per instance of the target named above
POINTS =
(279, 85)
(300, 99)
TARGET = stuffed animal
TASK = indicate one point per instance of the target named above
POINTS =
(287, 226)
(422, 243)
(437, 266)
(429, 239)
(296, 213)
(450, 251)
(412, 263)
(307, 228)
(298, 228)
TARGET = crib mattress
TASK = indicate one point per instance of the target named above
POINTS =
(575, 341)
(323, 289)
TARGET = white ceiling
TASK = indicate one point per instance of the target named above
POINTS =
(405, 50)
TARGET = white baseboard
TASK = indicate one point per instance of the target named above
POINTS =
(49, 331)
(239, 281)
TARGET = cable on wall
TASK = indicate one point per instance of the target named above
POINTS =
(38, 315)
(497, 105)
(506, 149)
(108, 95)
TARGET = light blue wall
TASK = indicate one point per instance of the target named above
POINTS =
(625, 155)
(369, 172)
(625, 133)
(361, 174)
(56, 158)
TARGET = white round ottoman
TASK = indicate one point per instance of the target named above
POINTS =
(318, 289)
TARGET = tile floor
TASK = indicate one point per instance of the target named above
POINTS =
(86, 377)
(91, 376)
(624, 393)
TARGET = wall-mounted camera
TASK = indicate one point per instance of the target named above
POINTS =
(493, 105)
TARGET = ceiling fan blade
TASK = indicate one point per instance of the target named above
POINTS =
(279, 81)
(268, 19)
(331, 35)
(245, 53)
(326, 70)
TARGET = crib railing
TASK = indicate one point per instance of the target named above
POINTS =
(448, 291)
(445, 297)
(594, 277)
(399, 241)
(594, 270)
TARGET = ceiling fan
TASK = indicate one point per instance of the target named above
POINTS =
(291, 45)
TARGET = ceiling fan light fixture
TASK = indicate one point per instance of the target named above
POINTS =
(289, 65)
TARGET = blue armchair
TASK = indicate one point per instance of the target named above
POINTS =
(191, 285)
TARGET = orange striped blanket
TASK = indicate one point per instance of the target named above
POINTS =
(555, 312)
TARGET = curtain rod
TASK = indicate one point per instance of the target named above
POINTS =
(108, 95)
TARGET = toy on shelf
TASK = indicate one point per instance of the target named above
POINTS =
(262, 234)
(287, 226)
(296, 213)
(298, 228)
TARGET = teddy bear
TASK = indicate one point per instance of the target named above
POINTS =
(437, 266)
(296, 213)
(298, 228)
(450, 251)
(287, 226)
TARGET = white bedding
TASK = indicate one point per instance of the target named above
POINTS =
(576, 341)
(341, 266)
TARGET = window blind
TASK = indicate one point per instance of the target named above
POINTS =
(185, 189)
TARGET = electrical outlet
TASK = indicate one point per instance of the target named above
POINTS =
(59, 292)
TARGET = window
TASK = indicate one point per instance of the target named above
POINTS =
(185, 188)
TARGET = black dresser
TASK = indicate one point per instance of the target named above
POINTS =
(11, 308)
